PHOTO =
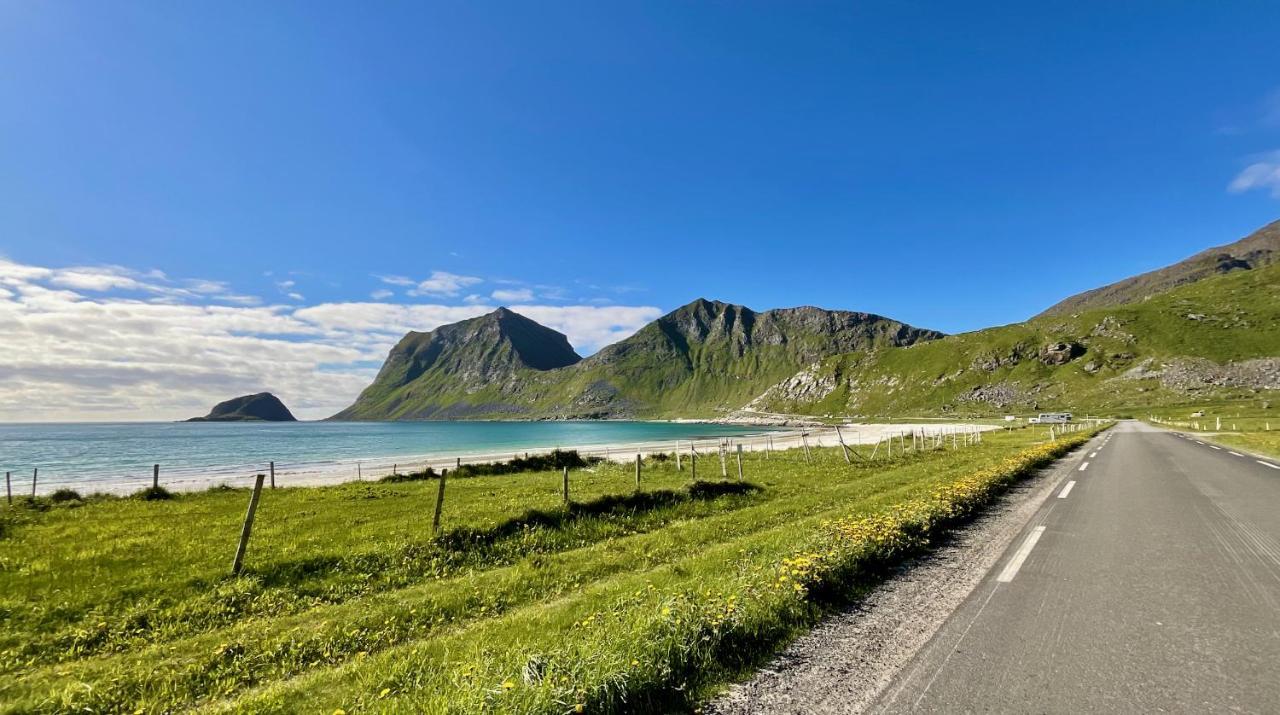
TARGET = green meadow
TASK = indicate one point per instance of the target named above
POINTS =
(625, 599)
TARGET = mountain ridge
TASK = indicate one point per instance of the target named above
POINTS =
(1257, 250)
(704, 357)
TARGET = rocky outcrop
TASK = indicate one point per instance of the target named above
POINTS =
(1061, 353)
(807, 386)
(998, 395)
(1190, 375)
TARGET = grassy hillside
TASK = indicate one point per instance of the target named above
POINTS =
(1257, 250)
(1215, 339)
(700, 360)
(624, 601)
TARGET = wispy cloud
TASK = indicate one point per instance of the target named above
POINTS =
(397, 280)
(443, 283)
(512, 295)
(1262, 174)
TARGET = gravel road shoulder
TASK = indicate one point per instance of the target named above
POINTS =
(842, 665)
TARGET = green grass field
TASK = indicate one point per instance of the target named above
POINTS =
(1253, 425)
(624, 601)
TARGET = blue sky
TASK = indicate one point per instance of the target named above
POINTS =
(954, 165)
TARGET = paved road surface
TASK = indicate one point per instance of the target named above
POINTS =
(1148, 582)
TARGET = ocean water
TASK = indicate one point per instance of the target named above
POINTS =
(118, 457)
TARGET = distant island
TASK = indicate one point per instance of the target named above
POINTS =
(262, 407)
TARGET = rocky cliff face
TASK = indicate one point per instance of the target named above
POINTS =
(263, 406)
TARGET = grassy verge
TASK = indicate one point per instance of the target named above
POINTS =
(1251, 425)
(621, 602)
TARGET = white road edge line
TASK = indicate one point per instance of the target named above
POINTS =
(1199, 442)
(1084, 466)
(1236, 454)
(1267, 464)
(1011, 569)
(1214, 446)
(1066, 490)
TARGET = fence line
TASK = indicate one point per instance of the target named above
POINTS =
(846, 436)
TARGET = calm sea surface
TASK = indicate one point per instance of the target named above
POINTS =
(119, 456)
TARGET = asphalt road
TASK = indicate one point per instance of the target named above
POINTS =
(1149, 581)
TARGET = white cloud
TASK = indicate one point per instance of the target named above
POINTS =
(381, 294)
(397, 280)
(443, 283)
(512, 295)
(96, 279)
(1263, 174)
(177, 347)
(591, 327)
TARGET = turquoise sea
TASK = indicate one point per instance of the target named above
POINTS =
(118, 457)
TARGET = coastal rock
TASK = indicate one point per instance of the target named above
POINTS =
(262, 407)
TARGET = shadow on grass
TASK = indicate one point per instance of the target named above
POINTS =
(469, 546)
(463, 539)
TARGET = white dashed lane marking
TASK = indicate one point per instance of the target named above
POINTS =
(1023, 552)
(1066, 490)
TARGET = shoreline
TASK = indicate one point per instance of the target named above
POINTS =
(371, 469)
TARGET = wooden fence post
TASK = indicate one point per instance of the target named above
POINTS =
(273, 475)
(840, 437)
(155, 476)
(724, 471)
(679, 467)
(637, 472)
(8, 488)
(35, 472)
(359, 473)
(435, 520)
(565, 485)
(739, 462)
(804, 439)
(238, 563)
(693, 463)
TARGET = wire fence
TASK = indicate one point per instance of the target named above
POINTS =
(40, 481)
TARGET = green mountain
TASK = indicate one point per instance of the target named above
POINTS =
(471, 368)
(1215, 338)
(1257, 250)
(703, 359)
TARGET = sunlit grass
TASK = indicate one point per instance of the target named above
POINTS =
(349, 602)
